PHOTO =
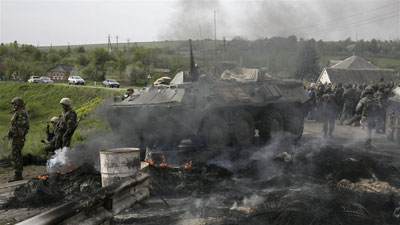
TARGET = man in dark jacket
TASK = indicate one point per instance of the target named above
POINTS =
(329, 112)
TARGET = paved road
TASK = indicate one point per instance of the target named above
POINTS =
(354, 138)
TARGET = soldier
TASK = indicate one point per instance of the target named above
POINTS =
(128, 93)
(319, 92)
(66, 125)
(312, 102)
(19, 127)
(349, 103)
(382, 97)
(50, 142)
(329, 112)
(368, 107)
(339, 96)
(358, 92)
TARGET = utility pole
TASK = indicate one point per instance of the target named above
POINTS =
(109, 43)
(215, 32)
(117, 42)
(202, 45)
(69, 49)
(128, 43)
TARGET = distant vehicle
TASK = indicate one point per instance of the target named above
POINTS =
(45, 80)
(111, 83)
(34, 79)
(76, 80)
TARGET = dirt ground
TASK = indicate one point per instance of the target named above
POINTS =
(28, 173)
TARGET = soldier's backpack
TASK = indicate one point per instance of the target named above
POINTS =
(372, 107)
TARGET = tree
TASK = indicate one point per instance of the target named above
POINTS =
(307, 61)
(99, 57)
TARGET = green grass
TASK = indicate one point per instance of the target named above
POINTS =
(42, 103)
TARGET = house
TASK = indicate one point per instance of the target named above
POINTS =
(61, 72)
(356, 70)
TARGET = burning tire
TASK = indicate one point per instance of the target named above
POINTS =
(243, 128)
(271, 122)
(215, 133)
(293, 121)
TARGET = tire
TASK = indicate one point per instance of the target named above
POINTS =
(293, 121)
(243, 128)
(271, 122)
(388, 122)
(214, 133)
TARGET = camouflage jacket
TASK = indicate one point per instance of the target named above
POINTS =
(67, 123)
(368, 106)
(350, 96)
(339, 96)
(330, 106)
(382, 97)
(19, 124)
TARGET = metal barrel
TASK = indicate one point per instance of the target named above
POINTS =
(118, 163)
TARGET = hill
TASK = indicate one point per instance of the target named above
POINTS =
(42, 103)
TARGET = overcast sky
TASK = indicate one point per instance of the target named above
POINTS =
(59, 22)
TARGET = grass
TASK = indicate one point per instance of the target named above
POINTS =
(42, 103)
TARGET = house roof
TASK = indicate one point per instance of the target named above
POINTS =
(62, 67)
(355, 62)
(361, 76)
(333, 62)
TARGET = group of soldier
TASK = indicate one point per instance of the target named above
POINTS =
(351, 104)
(63, 128)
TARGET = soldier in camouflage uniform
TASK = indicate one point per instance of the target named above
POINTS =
(19, 127)
(50, 142)
(66, 125)
(382, 97)
(339, 96)
(329, 112)
(349, 103)
(368, 107)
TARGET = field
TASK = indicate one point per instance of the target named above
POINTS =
(42, 103)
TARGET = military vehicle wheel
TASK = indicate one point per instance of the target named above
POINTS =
(271, 122)
(293, 122)
(215, 133)
(243, 128)
(389, 121)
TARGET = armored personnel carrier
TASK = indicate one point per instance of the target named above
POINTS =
(232, 108)
(392, 122)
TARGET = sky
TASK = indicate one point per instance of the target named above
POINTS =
(59, 22)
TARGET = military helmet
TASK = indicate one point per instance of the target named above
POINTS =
(54, 119)
(65, 101)
(17, 101)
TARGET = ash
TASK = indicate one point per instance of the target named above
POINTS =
(56, 188)
(308, 184)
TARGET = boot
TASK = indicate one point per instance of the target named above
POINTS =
(17, 177)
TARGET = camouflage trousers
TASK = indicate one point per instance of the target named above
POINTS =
(16, 154)
(347, 112)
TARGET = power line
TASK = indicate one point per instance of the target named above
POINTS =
(346, 17)
(358, 23)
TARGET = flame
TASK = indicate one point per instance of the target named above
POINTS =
(188, 165)
(164, 161)
(44, 177)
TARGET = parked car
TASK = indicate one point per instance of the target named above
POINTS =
(76, 80)
(45, 80)
(34, 79)
(111, 83)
